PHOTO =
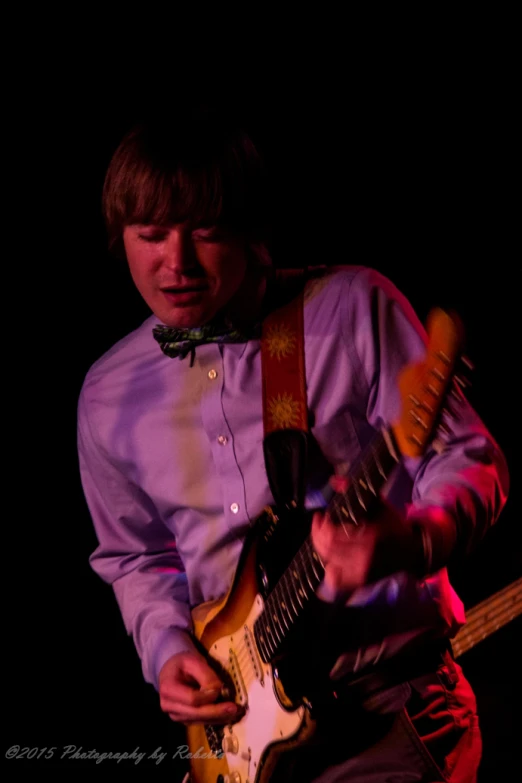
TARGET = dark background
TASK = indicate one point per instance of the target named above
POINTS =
(413, 178)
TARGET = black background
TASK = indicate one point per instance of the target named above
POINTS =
(413, 177)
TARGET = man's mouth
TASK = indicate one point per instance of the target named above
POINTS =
(184, 295)
(186, 289)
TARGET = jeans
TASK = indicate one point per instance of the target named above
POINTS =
(424, 730)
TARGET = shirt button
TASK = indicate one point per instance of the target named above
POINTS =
(234, 508)
(212, 374)
(222, 440)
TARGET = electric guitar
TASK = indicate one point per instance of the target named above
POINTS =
(488, 616)
(250, 634)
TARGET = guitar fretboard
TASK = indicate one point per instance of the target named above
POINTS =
(488, 616)
(292, 594)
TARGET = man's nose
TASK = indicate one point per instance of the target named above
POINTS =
(180, 250)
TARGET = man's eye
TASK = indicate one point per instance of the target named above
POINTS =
(210, 234)
(158, 237)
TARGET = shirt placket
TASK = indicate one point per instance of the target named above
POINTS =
(221, 438)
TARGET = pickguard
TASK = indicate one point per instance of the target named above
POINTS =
(265, 722)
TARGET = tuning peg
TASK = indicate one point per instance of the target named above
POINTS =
(461, 377)
(453, 404)
(443, 428)
(464, 383)
(468, 364)
(443, 432)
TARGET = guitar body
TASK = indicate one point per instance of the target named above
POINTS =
(263, 636)
(274, 722)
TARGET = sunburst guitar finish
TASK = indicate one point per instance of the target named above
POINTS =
(247, 633)
(247, 751)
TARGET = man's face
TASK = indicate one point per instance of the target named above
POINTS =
(186, 277)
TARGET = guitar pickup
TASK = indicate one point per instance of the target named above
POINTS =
(252, 652)
(234, 671)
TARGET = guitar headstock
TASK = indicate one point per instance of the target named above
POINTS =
(425, 387)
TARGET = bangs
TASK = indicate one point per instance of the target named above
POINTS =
(198, 177)
(166, 198)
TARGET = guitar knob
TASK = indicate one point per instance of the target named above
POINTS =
(230, 744)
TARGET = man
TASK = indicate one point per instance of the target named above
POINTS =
(170, 438)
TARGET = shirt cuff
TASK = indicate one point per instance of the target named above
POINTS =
(170, 642)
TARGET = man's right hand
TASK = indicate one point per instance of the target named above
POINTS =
(189, 690)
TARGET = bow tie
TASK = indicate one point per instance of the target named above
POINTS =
(180, 342)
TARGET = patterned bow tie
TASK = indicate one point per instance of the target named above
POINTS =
(180, 342)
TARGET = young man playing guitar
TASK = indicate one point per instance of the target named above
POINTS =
(172, 423)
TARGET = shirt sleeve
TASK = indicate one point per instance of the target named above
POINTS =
(469, 478)
(136, 554)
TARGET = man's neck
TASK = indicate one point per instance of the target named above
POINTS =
(247, 306)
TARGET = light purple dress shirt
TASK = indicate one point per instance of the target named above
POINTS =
(172, 466)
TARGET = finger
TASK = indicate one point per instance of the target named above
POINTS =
(177, 692)
(322, 534)
(192, 683)
(225, 712)
(329, 589)
(204, 675)
(317, 535)
(339, 483)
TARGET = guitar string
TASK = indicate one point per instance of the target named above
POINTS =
(358, 487)
(369, 470)
(509, 611)
(489, 613)
(274, 630)
(514, 602)
(505, 605)
(465, 639)
(358, 490)
(339, 503)
(512, 593)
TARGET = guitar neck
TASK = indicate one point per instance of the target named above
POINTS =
(424, 387)
(293, 592)
(366, 481)
(489, 616)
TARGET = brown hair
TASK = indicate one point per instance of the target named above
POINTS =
(201, 170)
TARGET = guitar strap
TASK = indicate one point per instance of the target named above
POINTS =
(285, 411)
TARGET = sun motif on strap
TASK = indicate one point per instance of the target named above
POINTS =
(284, 411)
(280, 341)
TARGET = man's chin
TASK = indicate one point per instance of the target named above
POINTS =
(186, 318)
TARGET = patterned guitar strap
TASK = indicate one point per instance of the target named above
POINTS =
(285, 412)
